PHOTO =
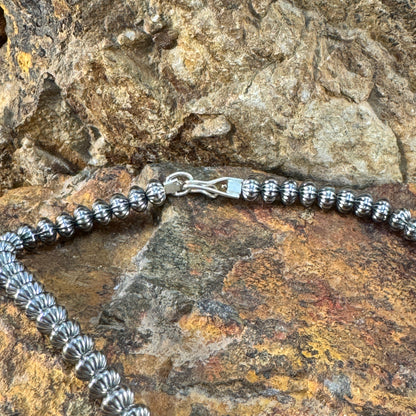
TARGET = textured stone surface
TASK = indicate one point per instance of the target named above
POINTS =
(303, 88)
(220, 307)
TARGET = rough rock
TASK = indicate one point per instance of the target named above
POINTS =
(220, 307)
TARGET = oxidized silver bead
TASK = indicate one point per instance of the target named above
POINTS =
(75, 348)
(16, 281)
(327, 197)
(289, 192)
(363, 205)
(39, 303)
(103, 382)
(345, 201)
(12, 267)
(6, 257)
(28, 235)
(64, 332)
(137, 410)
(65, 225)
(307, 194)
(13, 239)
(83, 218)
(399, 218)
(409, 231)
(155, 193)
(250, 189)
(116, 401)
(46, 231)
(120, 206)
(101, 212)
(381, 210)
(28, 291)
(269, 190)
(3, 280)
(89, 365)
(49, 318)
(137, 199)
(7, 247)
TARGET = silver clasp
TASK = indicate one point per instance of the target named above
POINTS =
(181, 183)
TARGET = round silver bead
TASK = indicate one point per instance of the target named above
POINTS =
(269, 190)
(28, 235)
(381, 210)
(289, 192)
(83, 218)
(64, 332)
(137, 199)
(16, 281)
(307, 194)
(89, 365)
(6, 258)
(363, 205)
(77, 347)
(155, 193)
(399, 218)
(26, 293)
(12, 267)
(39, 303)
(250, 189)
(101, 212)
(120, 206)
(345, 201)
(137, 410)
(116, 401)
(65, 225)
(13, 239)
(46, 231)
(102, 383)
(49, 318)
(409, 231)
(327, 197)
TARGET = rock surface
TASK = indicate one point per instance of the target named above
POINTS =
(220, 307)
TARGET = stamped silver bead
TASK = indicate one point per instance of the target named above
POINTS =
(381, 210)
(250, 189)
(155, 193)
(90, 364)
(39, 303)
(327, 197)
(363, 205)
(409, 231)
(137, 410)
(103, 382)
(7, 257)
(28, 291)
(12, 267)
(13, 239)
(28, 235)
(116, 401)
(345, 201)
(64, 332)
(46, 231)
(269, 190)
(399, 218)
(49, 318)
(137, 198)
(7, 247)
(16, 281)
(101, 212)
(65, 225)
(83, 218)
(120, 206)
(77, 347)
(289, 192)
(307, 194)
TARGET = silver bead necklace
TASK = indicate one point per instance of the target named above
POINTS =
(65, 334)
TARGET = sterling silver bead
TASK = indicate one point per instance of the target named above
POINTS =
(120, 206)
(64, 332)
(381, 210)
(49, 318)
(7, 247)
(16, 281)
(13, 239)
(6, 257)
(90, 364)
(289, 192)
(101, 212)
(39, 303)
(409, 231)
(65, 225)
(399, 218)
(250, 189)
(307, 194)
(363, 205)
(28, 291)
(137, 198)
(103, 382)
(345, 201)
(28, 235)
(83, 218)
(77, 347)
(269, 190)
(117, 401)
(12, 267)
(155, 193)
(137, 410)
(327, 197)
(46, 231)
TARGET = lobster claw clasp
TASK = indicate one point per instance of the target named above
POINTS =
(181, 183)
